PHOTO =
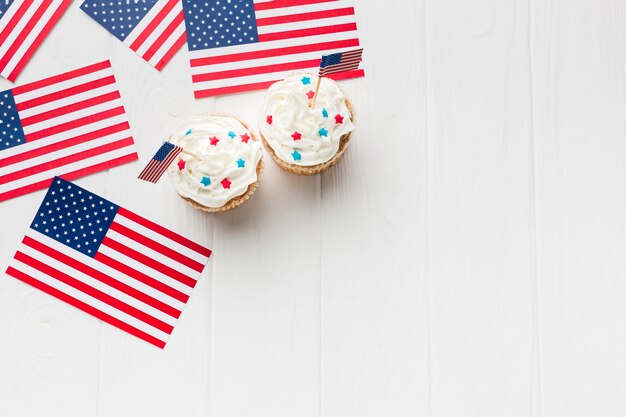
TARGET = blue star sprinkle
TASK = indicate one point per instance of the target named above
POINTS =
(323, 132)
(306, 80)
(296, 156)
(232, 135)
(188, 132)
(206, 181)
(324, 112)
(241, 163)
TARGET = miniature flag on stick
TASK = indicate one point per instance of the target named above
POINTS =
(154, 29)
(109, 262)
(72, 124)
(23, 27)
(337, 63)
(247, 45)
(159, 162)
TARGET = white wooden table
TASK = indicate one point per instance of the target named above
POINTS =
(467, 258)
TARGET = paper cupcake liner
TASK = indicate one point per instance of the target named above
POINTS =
(312, 169)
(236, 201)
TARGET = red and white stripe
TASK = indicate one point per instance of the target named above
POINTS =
(292, 38)
(23, 27)
(139, 280)
(350, 61)
(155, 169)
(75, 124)
(160, 34)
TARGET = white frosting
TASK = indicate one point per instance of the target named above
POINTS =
(288, 105)
(217, 162)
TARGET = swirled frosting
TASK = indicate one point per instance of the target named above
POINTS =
(301, 135)
(219, 161)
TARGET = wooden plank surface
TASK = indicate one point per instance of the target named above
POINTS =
(466, 258)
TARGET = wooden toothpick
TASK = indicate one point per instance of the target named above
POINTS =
(317, 89)
(190, 154)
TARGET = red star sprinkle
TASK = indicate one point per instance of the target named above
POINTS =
(245, 138)
(214, 141)
(270, 119)
(296, 136)
(226, 183)
(310, 94)
(339, 119)
(181, 164)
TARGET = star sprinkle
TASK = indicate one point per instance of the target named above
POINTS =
(188, 132)
(241, 163)
(296, 156)
(245, 138)
(296, 136)
(310, 94)
(214, 141)
(232, 134)
(306, 80)
(181, 164)
(206, 181)
(269, 119)
(323, 132)
(324, 112)
(339, 119)
(226, 183)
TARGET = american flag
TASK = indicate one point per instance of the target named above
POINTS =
(243, 45)
(109, 262)
(23, 26)
(71, 124)
(339, 62)
(154, 29)
(160, 162)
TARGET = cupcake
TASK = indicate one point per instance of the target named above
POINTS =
(221, 163)
(301, 139)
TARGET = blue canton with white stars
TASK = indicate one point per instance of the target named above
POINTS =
(4, 5)
(219, 23)
(332, 59)
(11, 133)
(163, 152)
(120, 16)
(74, 217)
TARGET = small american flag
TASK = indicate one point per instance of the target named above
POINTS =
(339, 62)
(243, 45)
(23, 26)
(154, 29)
(109, 262)
(160, 162)
(71, 124)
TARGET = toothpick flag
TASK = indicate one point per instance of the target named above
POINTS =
(109, 262)
(154, 29)
(71, 124)
(243, 45)
(339, 62)
(23, 26)
(160, 162)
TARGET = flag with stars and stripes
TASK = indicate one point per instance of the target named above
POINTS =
(71, 124)
(340, 62)
(244, 45)
(109, 262)
(154, 29)
(160, 162)
(23, 26)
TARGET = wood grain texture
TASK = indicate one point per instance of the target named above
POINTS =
(465, 258)
(579, 100)
(481, 208)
